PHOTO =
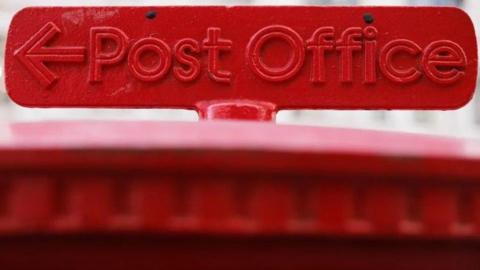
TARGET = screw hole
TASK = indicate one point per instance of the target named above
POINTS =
(151, 15)
(368, 18)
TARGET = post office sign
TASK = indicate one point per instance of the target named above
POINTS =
(292, 57)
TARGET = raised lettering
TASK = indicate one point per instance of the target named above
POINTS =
(214, 45)
(275, 74)
(192, 64)
(98, 56)
(370, 52)
(322, 40)
(349, 41)
(443, 62)
(394, 73)
(151, 72)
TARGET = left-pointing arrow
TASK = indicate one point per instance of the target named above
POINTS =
(34, 54)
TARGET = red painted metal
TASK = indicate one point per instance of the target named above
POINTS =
(285, 57)
(122, 166)
(237, 195)
(237, 109)
(272, 163)
(104, 195)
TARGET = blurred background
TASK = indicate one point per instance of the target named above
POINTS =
(461, 123)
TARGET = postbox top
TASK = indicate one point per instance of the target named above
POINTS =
(228, 135)
(230, 145)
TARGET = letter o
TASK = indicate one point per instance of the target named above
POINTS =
(142, 72)
(275, 74)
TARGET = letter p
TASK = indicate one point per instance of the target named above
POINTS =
(108, 46)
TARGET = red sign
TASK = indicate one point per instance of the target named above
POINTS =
(288, 57)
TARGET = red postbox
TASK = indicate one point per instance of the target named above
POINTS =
(237, 194)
